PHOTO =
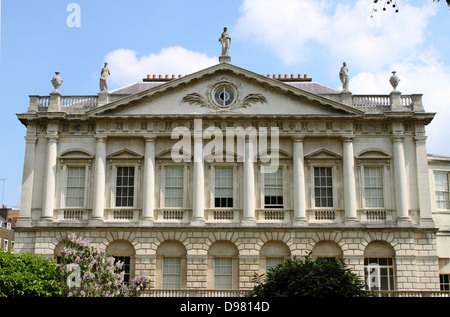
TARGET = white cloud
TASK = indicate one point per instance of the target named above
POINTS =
(345, 32)
(126, 67)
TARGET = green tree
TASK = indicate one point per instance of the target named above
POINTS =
(26, 274)
(309, 278)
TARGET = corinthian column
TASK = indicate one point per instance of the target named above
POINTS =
(148, 205)
(50, 178)
(299, 183)
(198, 199)
(99, 179)
(349, 180)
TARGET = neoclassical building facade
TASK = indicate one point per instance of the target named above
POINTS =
(199, 181)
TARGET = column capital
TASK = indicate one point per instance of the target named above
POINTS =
(150, 137)
(52, 138)
(101, 138)
(397, 138)
(298, 137)
(348, 138)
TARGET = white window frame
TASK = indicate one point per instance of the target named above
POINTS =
(217, 275)
(435, 190)
(384, 176)
(213, 186)
(176, 274)
(284, 176)
(87, 181)
(335, 183)
(162, 184)
(164, 176)
(136, 183)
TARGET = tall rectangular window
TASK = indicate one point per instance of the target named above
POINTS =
(171, 273)
(441, 190)
(223, 194)
(223, 273)
(373, 187)
(75, 186)
(272, 262)
(125, 186)
(173, 193)
(323, 187)
(273, 189)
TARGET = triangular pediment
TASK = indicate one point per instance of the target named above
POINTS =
(323, 154)
(124, 154)
(224, 89)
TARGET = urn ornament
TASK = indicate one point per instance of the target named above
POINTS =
(394, 80)
(56, 81)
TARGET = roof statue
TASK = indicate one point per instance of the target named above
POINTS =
(56, 82)
(343, 76)
(104, 78)
(225, 40)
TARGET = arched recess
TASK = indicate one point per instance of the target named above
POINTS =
(124, 251)
(379, 266)
(273, 253)
(171, 265)
(223, 265)
(327, 249)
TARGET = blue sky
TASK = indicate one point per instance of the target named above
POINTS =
(140, 37)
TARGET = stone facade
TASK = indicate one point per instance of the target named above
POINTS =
(146, 172)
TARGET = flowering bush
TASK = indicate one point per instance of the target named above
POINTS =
(91, 272)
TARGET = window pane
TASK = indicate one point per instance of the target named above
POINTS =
(373, 187)
(125, 186)
(441, 190)
(223, 191)
(273, 262)
(223, 273)
(380, 274)
(323, 187)
(171, 273)
(75, 186)
(273, 189)
(174, 186)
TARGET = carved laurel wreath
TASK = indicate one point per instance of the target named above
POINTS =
(199, 100)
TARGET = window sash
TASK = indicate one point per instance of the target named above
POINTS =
(173, 192)
(386, 271)
(323, 187)
(373, 187)
(171, 273)
(273, 189)
(223, 273)
(223, 187)
(441, 185)
(272, 262)
(125, 186)
(76, 177)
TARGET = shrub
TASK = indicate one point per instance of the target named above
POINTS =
(308, 278)
(26, 274)
(96, 274)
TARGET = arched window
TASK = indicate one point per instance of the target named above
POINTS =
(327, 249)
(379, 266)
(171, 265)
(123, 251)
(273, 253)
(223, 264)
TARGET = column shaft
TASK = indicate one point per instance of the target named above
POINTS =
(50, 178)
(349, 180)
(99, 179)
(148, 204)
(299, 182)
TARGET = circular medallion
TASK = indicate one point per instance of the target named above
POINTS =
(224, 96)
